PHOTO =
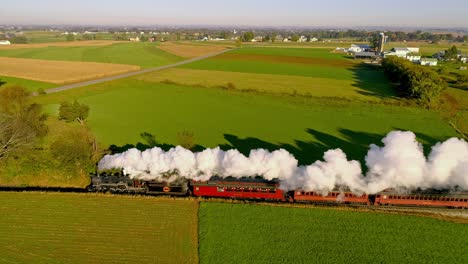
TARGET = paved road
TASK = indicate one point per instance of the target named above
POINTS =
(129, 74)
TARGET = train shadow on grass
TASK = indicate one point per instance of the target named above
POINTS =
(354, 143)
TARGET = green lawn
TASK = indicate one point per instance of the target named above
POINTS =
(85, 228)
(122, 110)
(28, 84)
(145, 55)
(235, 233)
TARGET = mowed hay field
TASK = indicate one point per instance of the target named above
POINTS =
(85, 228)
(145, 55)
(236, 233)
(60, 72)
(188, 50)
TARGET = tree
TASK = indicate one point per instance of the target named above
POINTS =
(88, 37)
(451, 53)
(19, 40)
(273, 37)
(76, 149)
(295, 38)
(73, 112)
(238, 42)
(248, 36)
(22, 123)
(70, 37)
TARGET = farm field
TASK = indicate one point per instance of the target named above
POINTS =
(305, 126)
(145, 55)
(28, 84)
(326, 67)
(84, 228)
(85, 43)
(236, 233)
(271, 84)
(59, 72)
(189, 50)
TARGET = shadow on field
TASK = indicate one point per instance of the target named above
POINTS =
(372, 79)
(2, 82)
(354, 143)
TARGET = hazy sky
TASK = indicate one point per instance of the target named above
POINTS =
(419, 13)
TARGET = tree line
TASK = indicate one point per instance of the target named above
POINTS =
(414, 81)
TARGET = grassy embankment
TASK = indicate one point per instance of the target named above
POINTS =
(86, 228)
(233, 233)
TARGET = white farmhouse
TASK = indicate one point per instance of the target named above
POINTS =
(359, 48)
(400, 52)
(428, 62)
(413, 57)
(413, 49)
(5, 42)
(313, 39)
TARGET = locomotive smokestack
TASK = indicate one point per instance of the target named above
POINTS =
(399, 163)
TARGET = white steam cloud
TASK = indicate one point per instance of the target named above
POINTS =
(400, 163)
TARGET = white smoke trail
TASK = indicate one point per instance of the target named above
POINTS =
(400, 163)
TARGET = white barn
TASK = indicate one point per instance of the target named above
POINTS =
(359, 48)
(428, 62)
(5, 42)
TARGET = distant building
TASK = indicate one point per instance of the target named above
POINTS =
(413, 57)
(313, 39)
(5, 42)
(359, 48)
(413, 49)
(302, 39)
(365, 55)
(428, 62)
(136, 39)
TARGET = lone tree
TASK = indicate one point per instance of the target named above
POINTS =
(451, 53)
(73, 112)
(22, 123)
(248, 36)
(70, 37)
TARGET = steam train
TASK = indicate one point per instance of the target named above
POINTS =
(260, 189)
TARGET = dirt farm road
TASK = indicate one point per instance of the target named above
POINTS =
(129, 74)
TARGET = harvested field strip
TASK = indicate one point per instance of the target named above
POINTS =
(90, 228)
(267, 83)
(89, 43)
(293, 52)
(338, 63)
(236, 233)
(59, 72)
(190, 51)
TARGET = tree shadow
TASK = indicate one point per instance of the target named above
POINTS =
(2, 82)
(372, 79)
(354, 143)
(149, 141)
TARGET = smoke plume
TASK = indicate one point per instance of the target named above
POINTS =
(399, 163)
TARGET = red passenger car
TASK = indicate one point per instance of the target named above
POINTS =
(331, 197)
(426, 198)
(245, 189)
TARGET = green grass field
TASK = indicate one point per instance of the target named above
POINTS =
(234, 233)
(325, 66)
(81, 228)
(28, 84)
(122, 110)
(145, 55)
